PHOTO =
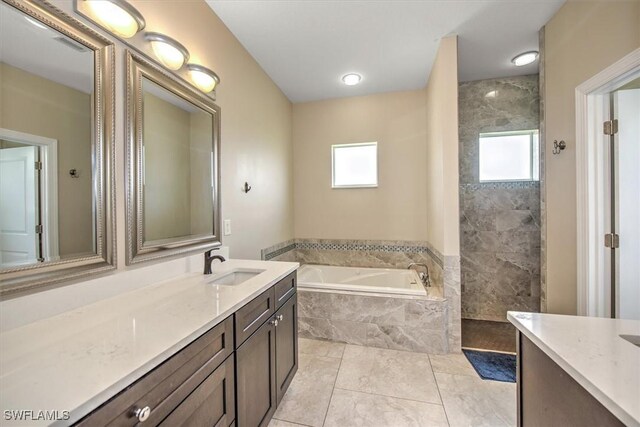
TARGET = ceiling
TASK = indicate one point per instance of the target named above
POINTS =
(306, 46)
(44, 51)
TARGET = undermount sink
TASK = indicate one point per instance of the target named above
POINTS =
(633, 339)
(234, 277)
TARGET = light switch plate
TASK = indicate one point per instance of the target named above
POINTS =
(227, 227)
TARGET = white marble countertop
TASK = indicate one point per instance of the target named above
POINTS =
(591, 351)
(79, 359)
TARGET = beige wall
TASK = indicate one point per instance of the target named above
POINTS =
(582, 39)
(256, 126)
(177, 184)
(443, 225)
(167, 177)
(397, 208)
(34, 105)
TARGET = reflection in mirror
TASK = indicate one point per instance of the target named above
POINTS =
(177, 166)
(173, 134)
(46, 95)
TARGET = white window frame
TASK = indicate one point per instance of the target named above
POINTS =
(333, 171)
(532, 157)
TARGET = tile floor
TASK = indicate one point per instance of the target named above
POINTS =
(345, 385)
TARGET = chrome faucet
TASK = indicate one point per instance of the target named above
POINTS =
(208, 259)
(425, 278)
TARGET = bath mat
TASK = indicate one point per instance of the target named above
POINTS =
(493, 366)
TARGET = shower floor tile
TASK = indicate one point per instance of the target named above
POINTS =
(488, 335)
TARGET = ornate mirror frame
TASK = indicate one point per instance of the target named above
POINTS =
(137, 251)
(32, 277)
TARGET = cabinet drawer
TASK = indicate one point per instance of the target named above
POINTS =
(250, 317)
(212, 403)
(170, 383)
(285, 288)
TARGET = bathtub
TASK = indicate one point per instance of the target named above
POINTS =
(377, 307)
(373, 280)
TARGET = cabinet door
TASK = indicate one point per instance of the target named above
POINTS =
(212, 403)
(286, 345)
(256, 377)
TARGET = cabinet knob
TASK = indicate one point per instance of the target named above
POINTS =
(142, 414)
(280, 317)
(274, 322)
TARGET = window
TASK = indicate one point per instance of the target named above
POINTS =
(354, 165)
(509, 156)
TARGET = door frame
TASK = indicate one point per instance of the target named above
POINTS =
(592, 110)
(49, 201)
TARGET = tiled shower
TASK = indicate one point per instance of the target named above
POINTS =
(499, 221)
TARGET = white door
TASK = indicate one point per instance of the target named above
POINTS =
(626, 110)
(19, 241)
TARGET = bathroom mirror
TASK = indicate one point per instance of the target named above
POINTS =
(56, 147)
(173, 201)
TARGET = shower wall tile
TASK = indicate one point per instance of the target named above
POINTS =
(499, 221)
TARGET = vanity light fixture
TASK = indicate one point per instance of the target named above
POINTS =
(168, 51)
(525, 58)
(205, 79)
(117, 16)
(36, 23)
(351, 79)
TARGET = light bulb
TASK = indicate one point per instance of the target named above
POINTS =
(117, 16)
(351, 79)
(168, 51)
(205, 79)
(525, 58)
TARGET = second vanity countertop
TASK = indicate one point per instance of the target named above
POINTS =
(592, 352)
(78, 360)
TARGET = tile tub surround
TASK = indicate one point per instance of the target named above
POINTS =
(445, 271)
(499, 222)
(395, 322)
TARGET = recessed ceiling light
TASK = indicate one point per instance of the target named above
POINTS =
(525, 58)
(351, 79)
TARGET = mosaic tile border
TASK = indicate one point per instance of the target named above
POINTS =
(358, 246)
(501, 185)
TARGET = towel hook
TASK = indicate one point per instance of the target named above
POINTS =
(246, 187)
(558, 146)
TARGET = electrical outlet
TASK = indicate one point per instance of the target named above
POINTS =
(227, 227)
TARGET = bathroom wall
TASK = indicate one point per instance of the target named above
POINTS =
(256, 126)
(256, 147)
(26, 107)
(443, 228)
(167, 186)
(397, 208)
(581, 39)
(499, 221)
(441, 160)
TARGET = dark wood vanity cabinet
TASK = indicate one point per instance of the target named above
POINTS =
(548, 396)
(234, 374)
(286, 345)
(256, 377)
(268, 360)
(206, 361)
